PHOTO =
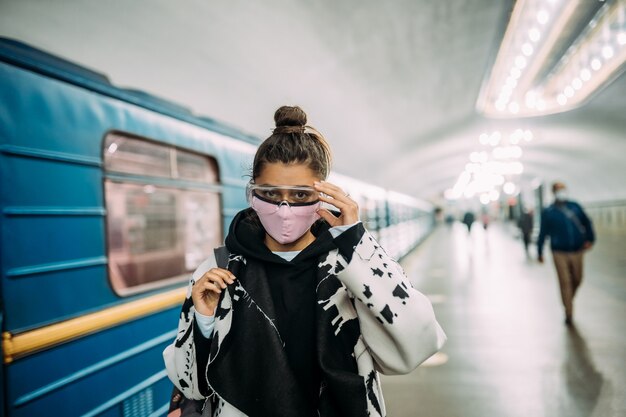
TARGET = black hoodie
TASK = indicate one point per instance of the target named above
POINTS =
(292, 289)
(330, 372)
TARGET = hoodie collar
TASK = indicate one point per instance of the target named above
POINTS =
(246, 237)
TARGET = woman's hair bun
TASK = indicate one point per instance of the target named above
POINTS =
(290, 116)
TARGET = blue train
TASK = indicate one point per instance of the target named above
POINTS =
(109, 198)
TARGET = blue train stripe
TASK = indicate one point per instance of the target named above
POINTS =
(57, 266)
(129, 393)
(54, 211)
(95, 368)
(51, 155)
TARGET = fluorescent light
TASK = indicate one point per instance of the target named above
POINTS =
(596, 64)
(528, 135)
(607, 52)
(491, 173)
(495, 137)
(543, 16)
(534, 34)
(527, 80)
(585, 74)
(508, 188)
(527, 49)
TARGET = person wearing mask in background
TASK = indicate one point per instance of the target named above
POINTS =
(571, 233)
(308, 308)
(525, 225)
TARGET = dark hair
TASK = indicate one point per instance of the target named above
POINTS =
(556, 185)
(292, 141)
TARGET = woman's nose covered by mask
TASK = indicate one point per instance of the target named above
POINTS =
(283, 222)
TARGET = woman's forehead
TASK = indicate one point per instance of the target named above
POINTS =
(286, 174)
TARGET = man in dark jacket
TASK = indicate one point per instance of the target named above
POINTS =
(571, 233)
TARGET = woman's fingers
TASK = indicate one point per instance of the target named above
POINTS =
(333, 191)
(205, 291)
(217, 278)
(211, 286)
(221, 276)
(337, 197)
(329, 217)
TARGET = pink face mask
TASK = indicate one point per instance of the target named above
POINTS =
(284, 222)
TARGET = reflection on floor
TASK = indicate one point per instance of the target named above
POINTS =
(509, 353)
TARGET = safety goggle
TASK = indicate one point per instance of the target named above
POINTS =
(276, 194)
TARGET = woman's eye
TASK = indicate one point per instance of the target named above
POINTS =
(270, 194)
(301, 195)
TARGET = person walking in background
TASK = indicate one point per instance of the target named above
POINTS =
(468, 219)
(571, 233)
(484, 218)
(525, 224)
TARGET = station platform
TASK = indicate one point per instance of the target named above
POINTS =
(509, 353)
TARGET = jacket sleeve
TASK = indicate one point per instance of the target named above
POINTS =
(181, 357)
(397, 322)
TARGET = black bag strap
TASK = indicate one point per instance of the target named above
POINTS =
(221, 256)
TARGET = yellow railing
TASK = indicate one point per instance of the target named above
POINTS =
(16, 346)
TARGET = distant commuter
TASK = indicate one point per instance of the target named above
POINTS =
(525, 224)
(484, 218)
(571, 233)
(468, 219)
(308, 307)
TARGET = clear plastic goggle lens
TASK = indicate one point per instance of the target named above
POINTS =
(262, 206)
(277, 194)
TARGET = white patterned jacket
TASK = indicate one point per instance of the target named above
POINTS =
(397, 323)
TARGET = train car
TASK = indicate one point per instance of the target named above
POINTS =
(109, 198)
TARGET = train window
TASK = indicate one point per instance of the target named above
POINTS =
(194, 167)
(159, 230)
(132, 156)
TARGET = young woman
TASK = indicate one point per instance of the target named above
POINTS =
(309, 308)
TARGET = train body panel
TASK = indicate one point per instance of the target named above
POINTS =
(100, 189)
(52, 168)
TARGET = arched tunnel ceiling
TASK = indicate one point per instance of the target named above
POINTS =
(392, 85)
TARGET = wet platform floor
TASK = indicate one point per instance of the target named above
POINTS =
(509, 353)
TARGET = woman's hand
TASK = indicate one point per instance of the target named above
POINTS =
(205, 292)
(338, 198)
